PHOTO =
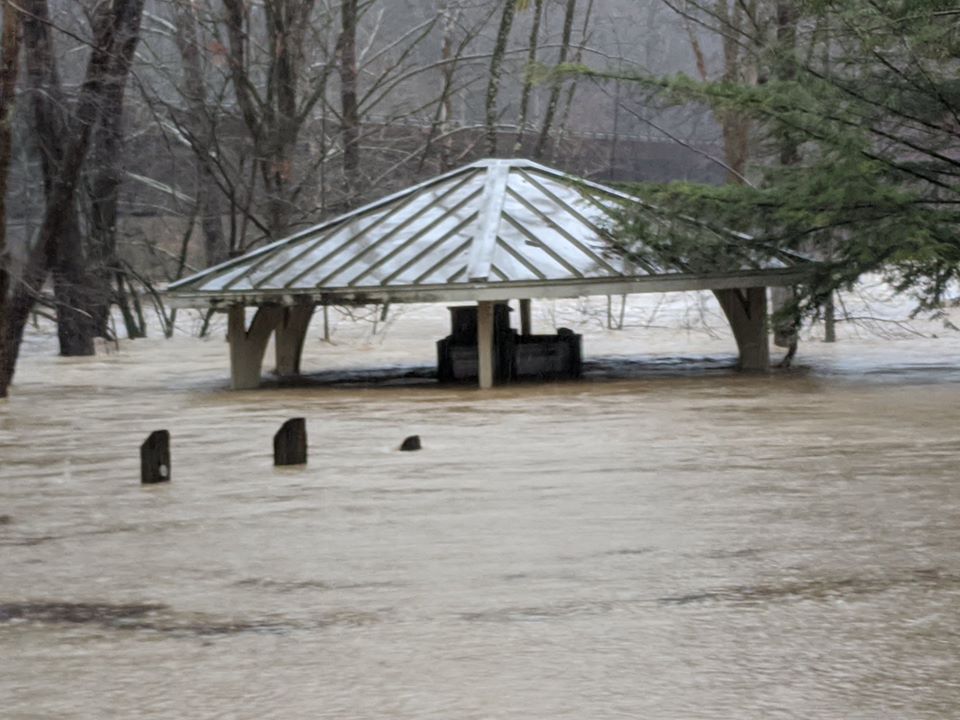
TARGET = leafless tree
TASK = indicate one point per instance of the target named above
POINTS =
(114, 25)
(532, 48)
(9, 68)
(200, 129)
(52, 130)
(275, 112)
(568, 15)
(349, 105)
(496, 70)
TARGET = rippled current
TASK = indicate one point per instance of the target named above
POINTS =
(667, 541)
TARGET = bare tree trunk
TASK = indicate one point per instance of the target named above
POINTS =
(614, 162)
(9, 67)
(787, 46)
(73, 291)
(451, 52)
(552, 103)
(210, 204)
(736, 126)
(287, 23)
(528, 76)
(52, 129)
(787, 329)
(496, 70)
(572, 85)
(349, 110)
(209, 201)
(445, 108)
(105, 177)
(275, 113)
(66, 184)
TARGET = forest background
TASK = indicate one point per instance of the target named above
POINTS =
(141, 140)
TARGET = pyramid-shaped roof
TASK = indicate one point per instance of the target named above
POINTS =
(512, 227)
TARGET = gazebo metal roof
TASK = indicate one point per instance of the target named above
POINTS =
(493, 229)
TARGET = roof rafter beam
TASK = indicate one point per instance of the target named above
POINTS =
(430, 248)
(402, 204)
(521, 259)
(559, 229)
(409, 242)
(326, 258)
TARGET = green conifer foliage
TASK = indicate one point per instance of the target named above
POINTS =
(871, 105)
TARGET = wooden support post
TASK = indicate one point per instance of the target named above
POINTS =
(485, 347)
(525, 325)
(291, 334)
(747, 312)
(290, 443)
(247, 346)
(155, 458)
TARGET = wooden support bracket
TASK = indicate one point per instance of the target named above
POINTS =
(290, 338)
(747, 312)
(247, 346)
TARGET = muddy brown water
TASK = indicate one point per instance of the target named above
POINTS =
(666, 540)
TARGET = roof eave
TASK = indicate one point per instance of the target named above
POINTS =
(471, 292)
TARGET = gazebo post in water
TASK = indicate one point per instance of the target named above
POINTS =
(485, 344)
(247, 346)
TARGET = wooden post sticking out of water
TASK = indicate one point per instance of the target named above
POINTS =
(290, 443)
(155, 458)
(411, 443)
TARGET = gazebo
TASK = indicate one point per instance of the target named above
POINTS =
(488, 232)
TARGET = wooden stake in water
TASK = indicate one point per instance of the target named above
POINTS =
(290, 443)
(411, 444)
(155, 458)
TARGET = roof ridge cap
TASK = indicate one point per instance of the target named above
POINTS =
(490, 216)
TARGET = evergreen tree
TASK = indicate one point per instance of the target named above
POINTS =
(858, 117)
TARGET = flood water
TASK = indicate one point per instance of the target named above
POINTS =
(665, 540)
